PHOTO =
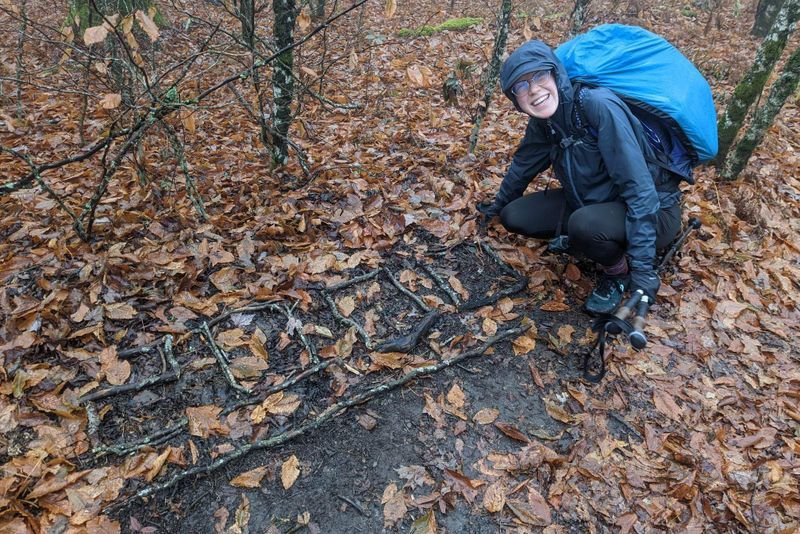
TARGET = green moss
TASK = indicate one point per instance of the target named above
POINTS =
(448, 25)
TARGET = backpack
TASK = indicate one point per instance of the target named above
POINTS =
(662, 88)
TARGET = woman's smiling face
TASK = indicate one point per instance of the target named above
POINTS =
(539, 100)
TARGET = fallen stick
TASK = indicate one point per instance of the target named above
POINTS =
(444, 286)
(172, 375)
(156, 438)
(347, 321)
(223, 364)
(249, 308)
(403, 289)
(520, 284)
(353, 281)
(318, 421)
(280, 387)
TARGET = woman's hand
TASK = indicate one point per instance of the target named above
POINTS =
(647, 281)
(489, 210)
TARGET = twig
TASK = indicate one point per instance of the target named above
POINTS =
(406, 291)
(156, 438)
(173, 374)
(92, 424)
(312, 353)
(444, 286)
(347, 321)
(318, 421)
(621, 420)
(520, 284)
(135, 351)
(245, 309)
(354, 504)
(223, 364)
(353, 281)
(280, 387)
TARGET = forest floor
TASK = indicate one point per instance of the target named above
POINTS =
(116, 411)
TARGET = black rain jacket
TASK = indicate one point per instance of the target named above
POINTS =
(608, 165)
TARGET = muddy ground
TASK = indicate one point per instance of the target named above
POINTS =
(346, 467)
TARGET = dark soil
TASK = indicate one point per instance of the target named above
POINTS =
(345, 467)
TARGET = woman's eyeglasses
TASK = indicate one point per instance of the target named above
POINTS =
(538, 77)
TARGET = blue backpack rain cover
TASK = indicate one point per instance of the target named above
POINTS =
(651, 76)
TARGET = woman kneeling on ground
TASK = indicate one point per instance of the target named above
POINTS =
(615, 207)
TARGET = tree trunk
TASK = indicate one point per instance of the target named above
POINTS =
(285, 13)
(317, 10)
(783, 87)
(579, 16)
(765, 16)
(493, 73)
(246, 15)
(82, 14)
(750, 87)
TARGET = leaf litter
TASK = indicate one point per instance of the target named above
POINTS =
(699, 432)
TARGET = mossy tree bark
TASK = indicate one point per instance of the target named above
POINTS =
(579, 16)
(285, 12)
(765, 16)
(783, 87)
(494, 71)
(317, 10)
(750, 87)
(83, 14)
(246, 14)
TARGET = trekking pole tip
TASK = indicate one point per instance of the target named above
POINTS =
(695, 223)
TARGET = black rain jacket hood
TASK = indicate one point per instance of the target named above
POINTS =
(533, 56)
(609, 165)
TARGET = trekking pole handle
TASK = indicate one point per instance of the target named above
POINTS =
(637, 338)
(623, 312)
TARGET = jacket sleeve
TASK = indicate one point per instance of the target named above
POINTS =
(531, 157)
(621, 150)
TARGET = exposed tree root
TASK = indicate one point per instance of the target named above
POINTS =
(154, 439)
(409, 341)
(403, 289)
(520, 284)
(347, 321)
(444, 286)
(222, 360)
(172, 375)
(318, 421)
(321, 366)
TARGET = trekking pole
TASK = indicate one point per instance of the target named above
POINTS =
(636, 336)
(694, 224)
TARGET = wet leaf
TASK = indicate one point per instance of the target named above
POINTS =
(486, 416)
(117, 371)
(394, 505)
(147, 25)
(250, 479)
(494, 499)
(512, 432)
(456, 396)
(489, 327)
(523, 344)
(204, 421)
(425, 524)
(290, 470)
(346, 305)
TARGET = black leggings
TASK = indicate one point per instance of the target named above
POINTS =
(597, 231)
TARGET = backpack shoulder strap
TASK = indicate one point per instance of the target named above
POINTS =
(579, 120)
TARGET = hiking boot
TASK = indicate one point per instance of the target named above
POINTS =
(607, 295)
